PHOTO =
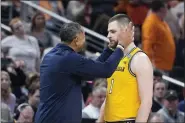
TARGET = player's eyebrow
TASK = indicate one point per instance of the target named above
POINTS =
(111, 30)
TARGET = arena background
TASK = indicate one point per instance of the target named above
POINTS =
(93, 15)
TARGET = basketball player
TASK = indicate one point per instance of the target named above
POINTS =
(129, 90)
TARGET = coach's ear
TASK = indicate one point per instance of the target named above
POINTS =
(76, 41)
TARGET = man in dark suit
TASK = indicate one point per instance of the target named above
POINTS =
(63, 69)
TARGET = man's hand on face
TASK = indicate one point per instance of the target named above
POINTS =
(126, 34)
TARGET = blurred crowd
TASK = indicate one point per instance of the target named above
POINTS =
(22, 51)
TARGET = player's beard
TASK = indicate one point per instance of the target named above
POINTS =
(113, 43)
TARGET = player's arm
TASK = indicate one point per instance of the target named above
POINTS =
(142, 67)
(101, 116)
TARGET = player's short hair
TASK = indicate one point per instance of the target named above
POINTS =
(69, 31)
(156, 5)
(120, 18)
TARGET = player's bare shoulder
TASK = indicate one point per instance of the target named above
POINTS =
(141, 56)
(140, 61)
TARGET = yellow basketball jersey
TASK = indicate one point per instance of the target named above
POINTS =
(122, 99)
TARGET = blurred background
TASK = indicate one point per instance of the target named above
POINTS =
(40, 20)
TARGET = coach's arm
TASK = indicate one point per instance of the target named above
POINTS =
(142, 67)
(89, 69)
(105, 55)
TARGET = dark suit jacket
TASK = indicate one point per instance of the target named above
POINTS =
(61, 73)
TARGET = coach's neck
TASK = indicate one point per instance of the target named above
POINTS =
(129, 47)
(72, 46)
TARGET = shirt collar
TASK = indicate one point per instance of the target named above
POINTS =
(129, 48)
(63, 46)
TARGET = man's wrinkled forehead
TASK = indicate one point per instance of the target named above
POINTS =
(113, 25)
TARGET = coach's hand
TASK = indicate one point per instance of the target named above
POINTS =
(126, 34)
(112, 44)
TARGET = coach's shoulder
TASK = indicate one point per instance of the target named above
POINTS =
(75, 56)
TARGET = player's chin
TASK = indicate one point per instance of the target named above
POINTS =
(113, 43)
